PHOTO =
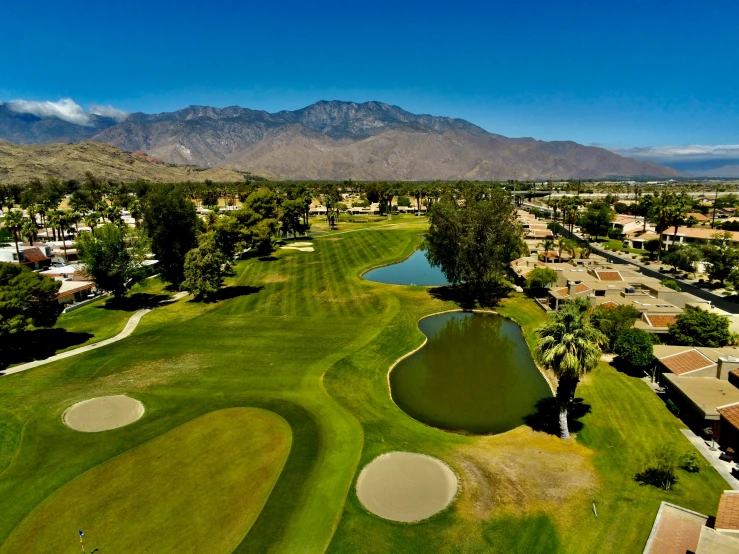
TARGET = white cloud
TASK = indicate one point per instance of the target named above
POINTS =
(686, 152)
(65, 109)
(108, 111)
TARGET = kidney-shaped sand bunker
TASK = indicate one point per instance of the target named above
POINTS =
(407, 487)
(103, 413)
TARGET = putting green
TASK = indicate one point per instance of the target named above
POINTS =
(197, 488)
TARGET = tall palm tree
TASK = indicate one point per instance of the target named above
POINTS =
(13, 222)
(662, 210)
(29, 230)
(548, 245)
(565, 244)
(569, 345)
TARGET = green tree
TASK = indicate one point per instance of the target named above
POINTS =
(571, 346)
(474, 243)
(13, 222)
(597, 219)
(291, 217)
(171, 224)
(634, 347)
(204, 268)
(113, 256)
(696, 327)
(721, 256)
(26, 298)
(539, 279)
(612, 321)
(683, 257)
(670, 284)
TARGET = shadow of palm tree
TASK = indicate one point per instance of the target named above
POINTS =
(546, 416)
(226, 293)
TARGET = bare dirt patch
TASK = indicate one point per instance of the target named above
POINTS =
(522, 470)
(103, 413)
(143, 375)
(405, 486)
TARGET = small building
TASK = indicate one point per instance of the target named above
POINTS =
(35, 257)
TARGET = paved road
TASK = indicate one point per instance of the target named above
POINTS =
(131, 325)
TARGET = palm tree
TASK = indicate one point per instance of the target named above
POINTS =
(662, 209)
(569, 345)
(13, 222)
(565, 244)
(548, 244)
(90, 220)
(29, 230)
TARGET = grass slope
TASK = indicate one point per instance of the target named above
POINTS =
(214, 472)
(304, 337)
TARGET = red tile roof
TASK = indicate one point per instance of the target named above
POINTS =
(579, 288)
(656, 320)
(34, 255)
(727, 516)
(609, 275)
(730, 414)
(610, 305)
(685, 362)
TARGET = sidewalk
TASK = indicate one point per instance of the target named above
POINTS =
(131, 325)
(724, 468)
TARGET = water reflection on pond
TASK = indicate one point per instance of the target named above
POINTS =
(414, 270)
(475, 374)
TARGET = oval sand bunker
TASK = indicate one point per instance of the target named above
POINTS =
(103, 413)
(407, 487)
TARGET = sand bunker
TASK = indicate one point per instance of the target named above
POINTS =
(103, 413)
(302, 246)
(407, 487)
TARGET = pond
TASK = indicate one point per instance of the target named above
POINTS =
(474, 374)
(414, 270)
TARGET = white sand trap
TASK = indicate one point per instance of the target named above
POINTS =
(407, 487)
(103, 413)
(301, 244)
(301, 248)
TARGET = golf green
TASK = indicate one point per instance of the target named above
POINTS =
(224, 462)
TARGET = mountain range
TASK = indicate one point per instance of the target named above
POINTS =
(332, 140)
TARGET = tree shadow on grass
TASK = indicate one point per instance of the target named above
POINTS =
(546, 416)
(28, 346)
(134, 302)
(226, 293)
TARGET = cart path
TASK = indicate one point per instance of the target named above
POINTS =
(131, 325)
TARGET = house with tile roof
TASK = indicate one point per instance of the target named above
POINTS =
(677, 530)
(35, 257)
(704, 384)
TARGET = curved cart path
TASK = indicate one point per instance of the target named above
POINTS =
(131, 325)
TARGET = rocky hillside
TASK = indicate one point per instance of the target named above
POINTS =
(18, 164)
(342, 140)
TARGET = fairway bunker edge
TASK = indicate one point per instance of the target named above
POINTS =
(406, 487)
(103, 413)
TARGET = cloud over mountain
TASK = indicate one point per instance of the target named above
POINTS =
(65, 109)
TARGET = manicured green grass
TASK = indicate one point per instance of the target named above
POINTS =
(215, 473)
(304, 337)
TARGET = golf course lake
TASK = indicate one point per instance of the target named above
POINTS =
(474, 374)
(414, 270)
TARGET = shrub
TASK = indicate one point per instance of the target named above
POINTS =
(691, 461)
(539, 279)
(671, 284)
(696, 327)
(660, 467)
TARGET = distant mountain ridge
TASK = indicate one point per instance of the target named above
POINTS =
(335, 140)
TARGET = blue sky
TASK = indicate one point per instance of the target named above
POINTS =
(619, 74)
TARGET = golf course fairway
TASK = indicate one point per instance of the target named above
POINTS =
(215, 473)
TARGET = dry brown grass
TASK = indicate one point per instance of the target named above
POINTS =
(522, 471)
(143, 375)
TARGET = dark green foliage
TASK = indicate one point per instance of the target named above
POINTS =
(112, 257)
(474, 243)
(171, 223)
(539, 280)
(634, 348)
(696, 327)
(291, 217)
(683, 257)
(597, 219)
(671, 284)
(613, 321)
(652, 247)
(722, 257)
(26, 298)
(404, 201)
(204, 267)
